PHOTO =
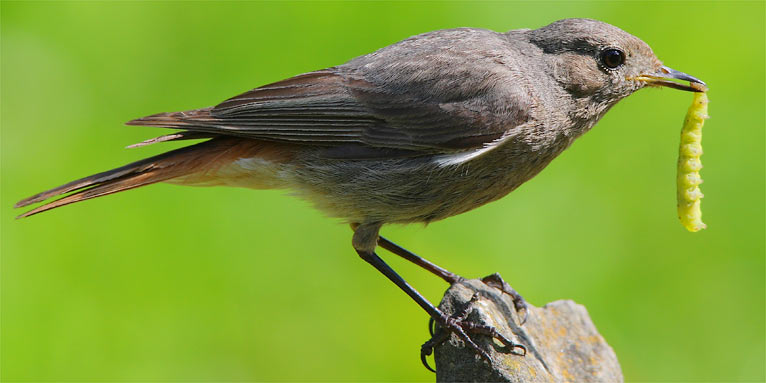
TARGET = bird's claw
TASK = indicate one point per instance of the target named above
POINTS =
(519, 304)
(461, 327)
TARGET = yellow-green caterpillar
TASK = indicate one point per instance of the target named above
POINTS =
(689, 165)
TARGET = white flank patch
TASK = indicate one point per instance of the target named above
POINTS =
(463, 157)
(253, 163)
(253, 172)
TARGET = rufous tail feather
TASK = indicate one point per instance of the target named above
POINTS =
(201, 157)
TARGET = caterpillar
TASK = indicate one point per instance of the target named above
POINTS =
(689, 164)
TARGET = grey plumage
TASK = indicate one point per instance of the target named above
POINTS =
(429, 127)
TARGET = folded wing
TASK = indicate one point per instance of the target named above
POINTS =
(418, 100)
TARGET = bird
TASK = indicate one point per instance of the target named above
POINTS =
(418, 131)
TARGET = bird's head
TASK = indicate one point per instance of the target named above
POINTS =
(595, 60)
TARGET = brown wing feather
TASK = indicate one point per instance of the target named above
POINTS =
(302, 109)
(415, 95)
(328, 111)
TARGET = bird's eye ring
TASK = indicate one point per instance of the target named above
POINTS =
(612, 58)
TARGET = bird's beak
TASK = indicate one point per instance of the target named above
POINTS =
(665, 76)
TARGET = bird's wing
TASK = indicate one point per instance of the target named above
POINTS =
(428, 108)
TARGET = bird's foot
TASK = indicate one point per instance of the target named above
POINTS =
(496, 281)
(459, 325)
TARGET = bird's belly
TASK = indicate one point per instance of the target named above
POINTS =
(402, 190)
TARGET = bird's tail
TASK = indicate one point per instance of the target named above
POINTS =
(200, 158)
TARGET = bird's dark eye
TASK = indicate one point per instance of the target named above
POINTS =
(612, 58)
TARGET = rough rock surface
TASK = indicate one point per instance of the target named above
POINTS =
(562, 343)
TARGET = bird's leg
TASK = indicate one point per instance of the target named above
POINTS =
(366, 239)
(440, 272)
(494, 280)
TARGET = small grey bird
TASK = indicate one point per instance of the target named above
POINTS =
(424, 129)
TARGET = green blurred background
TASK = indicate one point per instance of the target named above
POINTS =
(168, 283)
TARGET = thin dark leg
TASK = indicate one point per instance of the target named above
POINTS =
(379, 264)
(494, 280)
(367, 238)
(450, 323)
(420, 261)
(440, 272)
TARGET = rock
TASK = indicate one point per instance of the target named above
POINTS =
(561, 341)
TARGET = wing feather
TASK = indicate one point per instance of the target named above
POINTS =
(402, 102)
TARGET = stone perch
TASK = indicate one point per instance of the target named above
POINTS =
(562, 343)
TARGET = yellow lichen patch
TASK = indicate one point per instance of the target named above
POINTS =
(595, 339)
(512, 363)
(567, 376)
(689, 165)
